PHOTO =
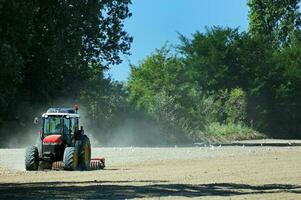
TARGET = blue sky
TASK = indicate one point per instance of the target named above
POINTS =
(154, 22)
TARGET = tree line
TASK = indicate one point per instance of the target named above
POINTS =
(218, 84)
(226, 83)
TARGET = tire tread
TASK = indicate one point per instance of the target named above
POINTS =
(31, 158)
(68, 158)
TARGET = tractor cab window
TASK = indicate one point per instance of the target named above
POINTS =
(74, 124)
(67, 129)
(53, 125)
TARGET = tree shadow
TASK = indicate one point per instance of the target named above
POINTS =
(132, 189)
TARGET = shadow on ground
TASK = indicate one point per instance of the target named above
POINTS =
(134, 189)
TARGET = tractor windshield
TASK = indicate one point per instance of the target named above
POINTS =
(56, 124)
(53, 125)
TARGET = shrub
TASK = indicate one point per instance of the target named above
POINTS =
(235, 106)
(231, 131)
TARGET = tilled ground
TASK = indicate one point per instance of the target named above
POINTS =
(163, 173)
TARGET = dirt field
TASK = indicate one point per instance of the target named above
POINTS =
(163, 173)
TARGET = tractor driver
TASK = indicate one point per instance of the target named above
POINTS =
(60, 129)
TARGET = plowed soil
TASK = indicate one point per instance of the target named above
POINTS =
(212, 172)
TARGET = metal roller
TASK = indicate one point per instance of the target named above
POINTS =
(58, 165)
(97, 163)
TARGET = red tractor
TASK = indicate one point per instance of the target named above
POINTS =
(61, 143)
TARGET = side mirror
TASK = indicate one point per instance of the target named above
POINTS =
(36, 120)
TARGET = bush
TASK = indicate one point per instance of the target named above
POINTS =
(231, 131)
(235, 106)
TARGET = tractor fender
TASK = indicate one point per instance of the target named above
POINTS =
(80, 144)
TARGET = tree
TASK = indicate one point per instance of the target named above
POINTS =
(284, 113)
(15, 39)
(160, 71)
(219, 59)
(279, 20)
(48, 48)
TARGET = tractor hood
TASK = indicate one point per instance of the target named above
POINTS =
(53, 139)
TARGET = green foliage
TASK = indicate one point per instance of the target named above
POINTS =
(285, 108)
(220, 83)
(278, 20)
(152, 88)
(173, 96)
(230, 131)
(48, 53)
(55, 51)
(235, 106)
(210, 57)
(159, 72)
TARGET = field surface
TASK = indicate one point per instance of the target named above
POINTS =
(207, 172)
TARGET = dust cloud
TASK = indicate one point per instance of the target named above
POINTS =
(130, 130)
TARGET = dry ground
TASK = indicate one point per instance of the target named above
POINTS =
(163, 173)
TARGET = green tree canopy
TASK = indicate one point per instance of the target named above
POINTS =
(49, 51)
(279, 20)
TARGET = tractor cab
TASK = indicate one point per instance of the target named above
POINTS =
(60, 129)
(60, 123)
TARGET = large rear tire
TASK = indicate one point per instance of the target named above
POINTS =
(31, 158)
(70, 159)
(84, 147)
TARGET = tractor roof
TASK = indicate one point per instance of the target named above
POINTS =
(62, 111)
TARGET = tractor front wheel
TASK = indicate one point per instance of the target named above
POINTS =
(31, 158)
(70, 159)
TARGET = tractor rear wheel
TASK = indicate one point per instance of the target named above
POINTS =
(70, 159)
(84, 147)
(31, 158)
